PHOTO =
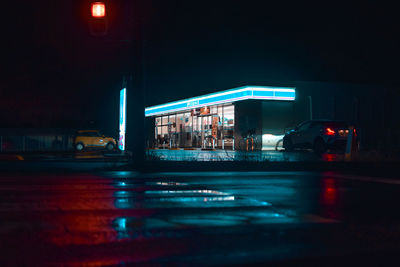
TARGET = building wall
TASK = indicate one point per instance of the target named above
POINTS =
(247, 117)
(247, 120)
(372, 109)
(150, 132)
(277, 117)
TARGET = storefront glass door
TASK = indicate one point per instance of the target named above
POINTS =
(206, 132)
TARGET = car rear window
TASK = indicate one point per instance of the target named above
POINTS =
(335, 124)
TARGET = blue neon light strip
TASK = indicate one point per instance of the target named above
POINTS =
(228, 96)
(122, 119)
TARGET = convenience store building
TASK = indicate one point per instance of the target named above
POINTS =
(223, 120)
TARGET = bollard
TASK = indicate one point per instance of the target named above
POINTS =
(351, 146)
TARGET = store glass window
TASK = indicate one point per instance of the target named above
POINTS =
(229, 115)
(188, 120)
(220, 117)
(180, 122)
(164, 120)
(172, 118)
(158, 121)
(229, 120)
(172, 123)
(164, 130)
(195, 123)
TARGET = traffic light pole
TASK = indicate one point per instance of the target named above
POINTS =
(134, 75)
(135, 97)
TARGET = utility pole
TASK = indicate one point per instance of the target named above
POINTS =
(100, 12)
(135, 89)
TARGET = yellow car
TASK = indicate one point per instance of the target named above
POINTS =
(92, 138)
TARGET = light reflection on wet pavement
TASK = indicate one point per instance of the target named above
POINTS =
(229, 155)
(118, 218)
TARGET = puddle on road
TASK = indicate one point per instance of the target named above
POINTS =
(201, 198)
(173, 195)
(170, 224)
(231, 218)
(127, 182)
(134, 228)
(208, 220)
(196, 199)
(187, 202)
(166, 183)
(188, 192)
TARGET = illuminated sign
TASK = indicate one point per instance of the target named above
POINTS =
(204, 111)
(214, 130)
(192, 103)
(228, 96)
(195, 112)
(122, 119)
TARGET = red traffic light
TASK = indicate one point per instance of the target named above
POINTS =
(98, 23)
(98, 10)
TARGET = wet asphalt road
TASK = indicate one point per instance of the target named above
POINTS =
(198, 219)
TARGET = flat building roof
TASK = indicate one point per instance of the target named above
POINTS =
(226, 96)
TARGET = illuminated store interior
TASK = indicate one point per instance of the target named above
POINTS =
(221, 119)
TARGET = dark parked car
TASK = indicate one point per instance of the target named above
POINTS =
(319, 135)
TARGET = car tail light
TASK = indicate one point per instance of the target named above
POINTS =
(329, 131)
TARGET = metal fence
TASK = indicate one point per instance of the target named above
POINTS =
(35, 143)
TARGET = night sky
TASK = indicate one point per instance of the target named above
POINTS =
(55, 74)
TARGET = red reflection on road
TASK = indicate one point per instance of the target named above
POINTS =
(332, 157)
(79, 209)
(70, 219)
(330, 197)
(329, 192)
